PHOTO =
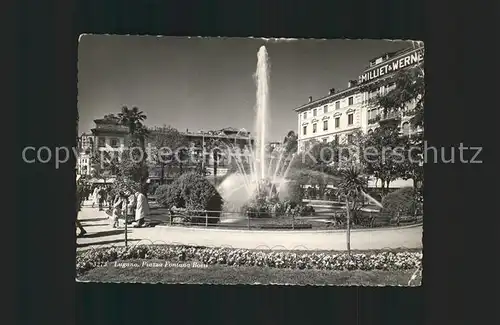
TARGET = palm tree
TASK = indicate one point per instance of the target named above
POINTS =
(351, 187)
(214, 146)
(131, 118)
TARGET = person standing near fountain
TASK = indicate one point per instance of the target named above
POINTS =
(141, 209)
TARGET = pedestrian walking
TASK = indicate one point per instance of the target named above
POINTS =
(79, 197)
(117, 209)
(131, 203)
(95, 196)
(101, 197)
(141, 209)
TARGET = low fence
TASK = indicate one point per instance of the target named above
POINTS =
(327, 219)
(254, 220)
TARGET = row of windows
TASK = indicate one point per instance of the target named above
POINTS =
(405, 129)
(335, 140)
(350, 121)
(113, 142)
(325, 108)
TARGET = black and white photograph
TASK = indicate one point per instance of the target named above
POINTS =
(255, 161)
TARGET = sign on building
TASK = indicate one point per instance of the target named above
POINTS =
(409, 59)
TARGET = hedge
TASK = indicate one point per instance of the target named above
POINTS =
(192, 191)
(403, 201)
(95, 257)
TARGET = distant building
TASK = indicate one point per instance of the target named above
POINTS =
(340, 113)
(109, 132)
(336, 116)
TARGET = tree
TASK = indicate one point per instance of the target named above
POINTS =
(384, 155)
(214, 147)
(291, 143)
(133, 120)
(409, 89)
(351, 188)
(104, 164)
(413, 165)
(166, 141)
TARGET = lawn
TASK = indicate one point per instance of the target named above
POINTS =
(156, 271)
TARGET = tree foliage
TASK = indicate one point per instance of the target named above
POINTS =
(167, 144)
(402, 202)
(192, 191)
(384, 154)
(409, 89)
(291, 142)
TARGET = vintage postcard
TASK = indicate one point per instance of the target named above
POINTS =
(250, 161)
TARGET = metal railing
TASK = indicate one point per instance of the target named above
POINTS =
(327, 219)
(268, 220)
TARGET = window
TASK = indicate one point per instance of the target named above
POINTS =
(337, 105)
(325, 109)
(324, 140)
(351, 100)
(337, 122)
(304, 130)
(315, 112)
(349, 138)
(350, 119)
(325, 125)
(114, 143)
(336, 139)
(101, 142)
(305, 115)
(315, 127)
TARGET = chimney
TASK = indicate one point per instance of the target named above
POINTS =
(332, 91)
(310, 99)
(351, 83)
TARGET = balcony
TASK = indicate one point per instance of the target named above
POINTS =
(390, 117)
(374, 120)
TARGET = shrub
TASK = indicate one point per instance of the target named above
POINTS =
(193, 192)
(401, 201)
(122, 184)
(169, 196)
(295, 193)
(95, 257)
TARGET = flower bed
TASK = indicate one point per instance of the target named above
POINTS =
(96, 257)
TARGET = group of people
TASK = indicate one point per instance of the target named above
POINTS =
(100, 196)
(133, 207)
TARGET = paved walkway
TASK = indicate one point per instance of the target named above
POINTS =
(101, 233)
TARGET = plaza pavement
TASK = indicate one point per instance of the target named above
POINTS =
(100, 233)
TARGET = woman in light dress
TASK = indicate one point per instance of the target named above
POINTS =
(95, 196)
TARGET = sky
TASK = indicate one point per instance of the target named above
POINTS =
(207, 83)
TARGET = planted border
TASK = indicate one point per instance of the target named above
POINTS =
(96, 257)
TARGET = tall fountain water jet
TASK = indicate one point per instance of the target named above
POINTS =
(262, 82)
(256, 174)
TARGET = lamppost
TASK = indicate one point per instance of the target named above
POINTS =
(203, 153)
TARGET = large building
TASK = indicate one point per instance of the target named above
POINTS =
(337, 115)
(108, 132)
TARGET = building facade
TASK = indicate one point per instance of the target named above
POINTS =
(108, 132)
(337, 115)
